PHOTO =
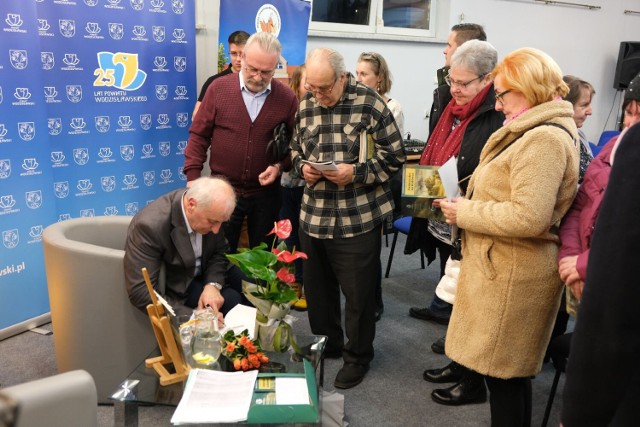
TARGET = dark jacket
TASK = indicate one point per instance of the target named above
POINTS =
(158, 235)
(441, 97)
(485, 122)
(602, 385)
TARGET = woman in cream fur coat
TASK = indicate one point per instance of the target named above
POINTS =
(509, 288)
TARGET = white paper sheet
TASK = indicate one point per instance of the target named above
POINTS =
(239, 318)
(322, 166)
(215, 397)
(449, 177)
(292, 391)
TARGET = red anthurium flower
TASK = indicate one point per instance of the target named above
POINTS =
(284, 275)
(288, 257)
(282, 229)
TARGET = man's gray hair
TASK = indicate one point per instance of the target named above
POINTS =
(476, 55)
(213, 190)
(333, 57)
(267, 42)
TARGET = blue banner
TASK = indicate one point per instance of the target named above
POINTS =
(288, 20)
(95, 104)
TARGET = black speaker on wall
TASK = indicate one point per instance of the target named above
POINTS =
(628, 65)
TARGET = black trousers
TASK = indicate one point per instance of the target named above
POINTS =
(510, 401)
(350, 265)
(261, 211)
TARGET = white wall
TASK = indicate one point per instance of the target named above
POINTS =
(583, 42)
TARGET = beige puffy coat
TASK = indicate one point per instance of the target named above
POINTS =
(509, 288)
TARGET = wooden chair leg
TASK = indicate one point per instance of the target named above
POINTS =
(552, 395)
(393, 248)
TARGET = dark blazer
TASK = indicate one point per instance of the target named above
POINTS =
(158, 235)
(602, 387)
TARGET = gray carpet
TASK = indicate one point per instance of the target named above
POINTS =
(393, 393)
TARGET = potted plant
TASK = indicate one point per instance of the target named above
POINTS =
(272, 295)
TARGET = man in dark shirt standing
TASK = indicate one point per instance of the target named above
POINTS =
(343, 209)
(236, 41)
(236, 120)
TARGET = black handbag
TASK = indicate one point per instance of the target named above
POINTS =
(279, 145)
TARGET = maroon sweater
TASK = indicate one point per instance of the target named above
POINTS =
(238, 146)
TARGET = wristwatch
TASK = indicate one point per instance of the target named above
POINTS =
(216, 285)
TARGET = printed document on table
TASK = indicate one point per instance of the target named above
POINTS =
(215, 397)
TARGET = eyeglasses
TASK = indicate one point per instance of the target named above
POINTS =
(499, 95)
(462, 85)
(254, 72)
(320, 90)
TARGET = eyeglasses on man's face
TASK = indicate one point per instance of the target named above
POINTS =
(499, 95)
(462, 85)
(264, 74)
(320, 90)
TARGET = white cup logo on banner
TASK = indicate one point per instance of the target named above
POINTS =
(160, 62)
(43, 25)
(57, 156)
(71, 59)
(14, 20)
(147, 149)
(110, 211)
(105, 153)
(84, 185)
(22, 94)
(29, 164)
(139, 31)
(92, 28)
(7, 202)
(166, 175)
(36, 231)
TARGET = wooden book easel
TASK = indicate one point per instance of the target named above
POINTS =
(167, 343)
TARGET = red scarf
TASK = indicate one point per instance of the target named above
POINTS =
(444, 142)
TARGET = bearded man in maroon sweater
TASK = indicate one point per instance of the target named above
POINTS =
(236, 120)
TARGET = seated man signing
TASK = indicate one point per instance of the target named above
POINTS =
(182, 230)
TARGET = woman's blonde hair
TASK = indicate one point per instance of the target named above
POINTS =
(380, 69)
(533, 73)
